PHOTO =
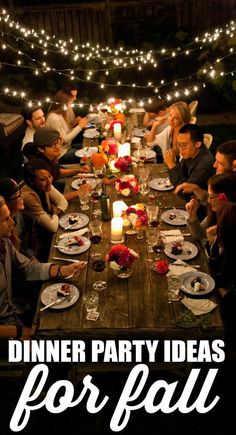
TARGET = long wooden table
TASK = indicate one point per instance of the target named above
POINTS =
(134, 307)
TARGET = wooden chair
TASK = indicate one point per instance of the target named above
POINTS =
(193, 107)
(193, 120)
(207, 139)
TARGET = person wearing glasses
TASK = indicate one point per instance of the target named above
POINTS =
(47, 144)
(196, 161)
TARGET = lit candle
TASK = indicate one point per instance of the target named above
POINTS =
(118, 207)
(124, 150)
(117, 131)
(117, 230)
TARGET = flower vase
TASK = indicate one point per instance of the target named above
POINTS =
(123, 273)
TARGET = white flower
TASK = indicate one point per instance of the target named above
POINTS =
(114, 265)
(126, 192)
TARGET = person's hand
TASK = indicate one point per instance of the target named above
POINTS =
(72, 269)
(169, 159)
(84, 170)
(55, 210)
(83, 122)
(191, 208)
(191, 188)
(211, 234)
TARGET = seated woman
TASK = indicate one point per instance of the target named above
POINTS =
(226, 282)
(221, 188)
(57, 119)
(179, 115)
(43, 203)
(20, 234)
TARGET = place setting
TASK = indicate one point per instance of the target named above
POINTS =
(161, 184)
(175, 216)
(73, 245)
(59, 296)
(73, 220)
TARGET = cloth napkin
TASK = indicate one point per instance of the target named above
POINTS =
(198, 306)
(179, 267)
(171, 236)
(74, 233)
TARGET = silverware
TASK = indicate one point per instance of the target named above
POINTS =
(57, 301)
(64, 247)
(187, 265)
(70, 260)
(72, 225)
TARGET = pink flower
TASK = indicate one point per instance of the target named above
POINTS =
(122, 256)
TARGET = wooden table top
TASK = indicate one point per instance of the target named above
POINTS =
(135, 307)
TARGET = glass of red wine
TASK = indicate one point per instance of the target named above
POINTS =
(98, 264)
(95, 231)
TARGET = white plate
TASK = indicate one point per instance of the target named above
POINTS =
(179, 217)
(150, 154)
(161, 184)
(189, 251)
(206, 280)
(49, 295)
(139, 132)
(82, 222)
(91, 133)
(73, 249)
(87, 152)
(77, 183)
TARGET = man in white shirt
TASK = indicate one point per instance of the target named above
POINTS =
(34, 118)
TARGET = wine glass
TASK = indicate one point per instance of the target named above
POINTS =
(98, 264)
(152, 212)
(144, 189)
(143, 173)
(96, 231)
(83, 194)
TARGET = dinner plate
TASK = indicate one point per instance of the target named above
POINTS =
(49, 295)
(91, 133)
(65, 248)
(175, 217)
(161, 184)
(206, 280)
(83, 220)
(189, 251)
(139, 132)
(86, 152)
(150, 154)
(77, 183)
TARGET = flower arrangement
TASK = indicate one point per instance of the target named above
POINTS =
(135, 216)
(161, 266)
(121, 257)
(98, 159)
(110, 146)
(124, 164)
(127, 185)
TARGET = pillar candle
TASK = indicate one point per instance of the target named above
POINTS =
(117, 131)
(124, 150)
(117, 230)
(118, 207)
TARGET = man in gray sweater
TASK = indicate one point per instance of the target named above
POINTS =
(196, 163)
(12, 260)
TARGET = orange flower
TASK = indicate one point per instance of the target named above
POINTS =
(105, 145)
(99, 159)
(120, 116)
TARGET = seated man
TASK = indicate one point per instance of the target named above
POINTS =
(11, 259)
(225, 161)
(196, 164)
(155, 109)
(34, 118)
(47, 144)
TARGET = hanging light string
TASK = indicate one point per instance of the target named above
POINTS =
(61, 46)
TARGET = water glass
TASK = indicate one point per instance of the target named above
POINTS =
(84, 200)
(91, 300)
(173, 282)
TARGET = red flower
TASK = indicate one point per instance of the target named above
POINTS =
(162, 266)
(122, 255)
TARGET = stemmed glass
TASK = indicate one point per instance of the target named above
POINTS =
(152, 212)
(144, 189)
(98, 263)
(83, 194)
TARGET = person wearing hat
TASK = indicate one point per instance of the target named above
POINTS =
(47, 143)
(12, 260)
(12, 194)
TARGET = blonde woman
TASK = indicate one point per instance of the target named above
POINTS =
(179, 115)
